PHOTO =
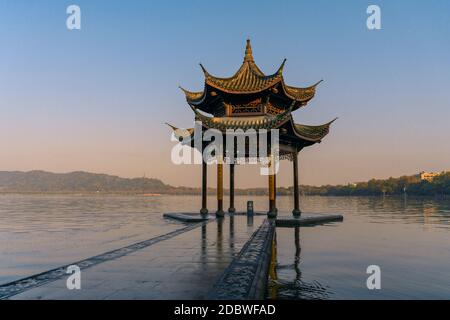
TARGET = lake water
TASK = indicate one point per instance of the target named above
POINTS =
(408, 238)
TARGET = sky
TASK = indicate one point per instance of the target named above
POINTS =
(96, 99)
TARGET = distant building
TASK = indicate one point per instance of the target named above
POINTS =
(429, 176)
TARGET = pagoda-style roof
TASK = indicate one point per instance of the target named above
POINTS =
(249, 81)
(252, 100)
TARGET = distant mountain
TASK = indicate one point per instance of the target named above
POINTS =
(42, 181)
(85, 182)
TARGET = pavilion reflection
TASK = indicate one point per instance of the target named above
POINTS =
(220, 236)
(215, 249)
(250, 221)
(282, 287)
(231, 242)
(204, 244)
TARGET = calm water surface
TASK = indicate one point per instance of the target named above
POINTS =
(408, 238)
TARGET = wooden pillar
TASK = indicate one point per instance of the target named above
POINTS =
(204, 209)
(231, 209)
(219, 212)
(296, 212)
(272, 189)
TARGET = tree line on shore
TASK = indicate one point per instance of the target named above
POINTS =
(412, 185)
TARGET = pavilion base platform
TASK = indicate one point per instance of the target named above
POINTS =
(188, 216)
(307, 219)
(197, 217)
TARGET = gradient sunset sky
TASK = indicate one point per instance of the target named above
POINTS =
(96, 99)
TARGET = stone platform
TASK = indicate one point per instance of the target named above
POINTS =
(307, 219)
(187, 217)
(283, 221)
(196, 217)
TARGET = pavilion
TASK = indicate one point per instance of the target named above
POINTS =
(251, 99)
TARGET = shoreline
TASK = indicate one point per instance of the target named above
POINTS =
(155, 195)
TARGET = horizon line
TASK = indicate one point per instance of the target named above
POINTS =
(181, 186)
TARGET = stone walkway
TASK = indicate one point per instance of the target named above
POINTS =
(246, 276)
(184, 266)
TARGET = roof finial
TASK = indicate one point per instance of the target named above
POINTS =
(203, 69)
(280, 69)
(248, 52)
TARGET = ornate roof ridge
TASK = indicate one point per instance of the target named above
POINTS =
(254, 122)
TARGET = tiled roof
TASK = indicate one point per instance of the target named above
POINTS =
(312, 133)
(304, 132)
(250, 79)
(301, 94)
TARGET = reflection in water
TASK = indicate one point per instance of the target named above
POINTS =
(298, 249)
(204, 244)
(220, 236)
(407, 236)
(41, 232)
(250, 221)
(231, 218)
(295, 288)
(404, 209)
(273, 277)
(216, 248)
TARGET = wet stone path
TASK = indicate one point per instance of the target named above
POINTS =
(183, 264)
